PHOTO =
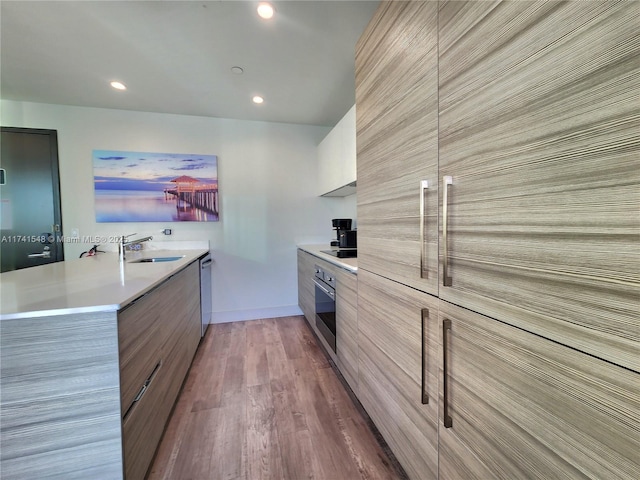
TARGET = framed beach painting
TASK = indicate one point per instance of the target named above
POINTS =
(155, 187)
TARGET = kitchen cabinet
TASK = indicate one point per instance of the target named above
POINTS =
(347, 326)
(522, 406)
(346, 291)
(398, 369)
(306, 295)
(529, 232)
(397, 143)
(337, 158)
(158, 336)
(306, 292)
(79, 341)
(542, 229)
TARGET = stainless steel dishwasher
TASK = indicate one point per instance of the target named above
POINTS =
(206, 304)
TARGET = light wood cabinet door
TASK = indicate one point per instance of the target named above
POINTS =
(306, 295)
(398, 369)
(397, 144)
(539, 132)
(524, 407)
(347, 326)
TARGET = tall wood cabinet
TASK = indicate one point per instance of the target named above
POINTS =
(520, 121)
(397, 144)
(539, 121)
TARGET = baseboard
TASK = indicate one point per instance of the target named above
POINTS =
(255, 314)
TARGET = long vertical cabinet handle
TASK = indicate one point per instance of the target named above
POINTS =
(425, 353)
(446, 279)
(446, 418)
(424, 271)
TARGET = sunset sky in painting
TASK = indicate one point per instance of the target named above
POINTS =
(116, 170)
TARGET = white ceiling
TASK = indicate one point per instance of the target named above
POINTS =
(176, 56)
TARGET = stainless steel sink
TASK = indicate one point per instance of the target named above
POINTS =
(157, 259)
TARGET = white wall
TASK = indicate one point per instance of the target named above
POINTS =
(267, 176)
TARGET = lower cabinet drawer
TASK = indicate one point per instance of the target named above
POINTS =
(143, 424)
(142, 330)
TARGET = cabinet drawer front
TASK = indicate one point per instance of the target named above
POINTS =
(152, 321)
(539, 131)
(522, 406)
(143, 425)
(142, 331)
(394, 376)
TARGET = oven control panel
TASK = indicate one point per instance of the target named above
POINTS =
(326, 277)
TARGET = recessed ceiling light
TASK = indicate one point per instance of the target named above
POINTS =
(118, 85)
(257, 99)
(265, 10)
(237, 70)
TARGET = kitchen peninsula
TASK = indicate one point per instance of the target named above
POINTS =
(94, 352)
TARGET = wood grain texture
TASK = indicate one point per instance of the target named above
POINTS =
(539, 122)
(526, 407)
(174, 310)
(142, 330)
(347, 327)
(293, 421)
(59, 398)
(397, 142)
(306, 291)
(391, 369)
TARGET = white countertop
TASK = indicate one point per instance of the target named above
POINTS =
(90, 284)
(350, 264)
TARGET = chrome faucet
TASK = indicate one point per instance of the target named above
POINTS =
(124, 243)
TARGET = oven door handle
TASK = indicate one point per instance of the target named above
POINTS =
(325, 290)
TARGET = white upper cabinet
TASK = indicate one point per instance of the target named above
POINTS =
(337, 158)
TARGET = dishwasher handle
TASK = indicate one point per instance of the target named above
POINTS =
(206, 263)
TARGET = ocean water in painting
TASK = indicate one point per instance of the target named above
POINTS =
(155, 187)
(146, 206)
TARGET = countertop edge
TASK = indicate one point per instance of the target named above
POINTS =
(190, 256)
(349, 264)
(58, 312)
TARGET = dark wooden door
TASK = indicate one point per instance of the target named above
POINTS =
(30, 198)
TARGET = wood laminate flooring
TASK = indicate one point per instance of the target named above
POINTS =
(261, 401)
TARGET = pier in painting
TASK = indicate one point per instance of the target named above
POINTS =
(190, 192)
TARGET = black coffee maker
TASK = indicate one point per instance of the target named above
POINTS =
(345, 237)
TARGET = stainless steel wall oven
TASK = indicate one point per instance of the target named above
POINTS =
(325, 299)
